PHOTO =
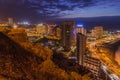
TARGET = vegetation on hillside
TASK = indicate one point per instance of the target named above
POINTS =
(23, 60)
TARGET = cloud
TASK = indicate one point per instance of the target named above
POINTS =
(55, 6)
(48, 9)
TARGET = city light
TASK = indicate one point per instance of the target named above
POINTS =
(26, 23)
(79, 25)
(41, 24)
(15, 26)
(60, 39)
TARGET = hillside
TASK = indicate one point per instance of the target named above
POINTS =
(107, 56)
(22, 60)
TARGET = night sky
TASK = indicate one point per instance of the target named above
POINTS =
(53, 10)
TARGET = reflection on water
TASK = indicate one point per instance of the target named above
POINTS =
(117, 55)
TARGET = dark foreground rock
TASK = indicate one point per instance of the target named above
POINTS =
(27, 61)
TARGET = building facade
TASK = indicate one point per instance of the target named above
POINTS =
(51, 29)
(10, 21)
(81, 30)
(58, 33)
(67, 35)
(81, 47)
(42, 29)
(97, 32)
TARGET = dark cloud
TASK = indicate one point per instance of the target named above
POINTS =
(45, 5)
(54, 6)
(44, 9)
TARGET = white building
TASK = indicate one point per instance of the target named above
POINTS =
(81, 29)
(97, 32)
(42, 29)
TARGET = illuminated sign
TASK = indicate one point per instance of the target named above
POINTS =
(79, 25)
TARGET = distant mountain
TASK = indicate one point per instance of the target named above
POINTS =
(113, 47)
(109, 22)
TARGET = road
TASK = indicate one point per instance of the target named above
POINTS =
(107, 64)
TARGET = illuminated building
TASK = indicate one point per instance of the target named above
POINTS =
(3, 25)
(51, 29)
(97, 32)
(106, 33)
(81, 46)
(67, 35)
(93, 32)
(10, 21)
(80, 29)
(15, 26)
(42, 29)
(58, 32)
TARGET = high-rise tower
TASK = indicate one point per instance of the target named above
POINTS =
(81, 47)
(68, 35)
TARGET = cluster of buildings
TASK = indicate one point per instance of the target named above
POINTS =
(7, 23)
(71, 36)
(44, 30)
(97, 32)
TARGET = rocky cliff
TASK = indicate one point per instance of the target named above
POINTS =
(22, 60)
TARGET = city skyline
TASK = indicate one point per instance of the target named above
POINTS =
(59, 39)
